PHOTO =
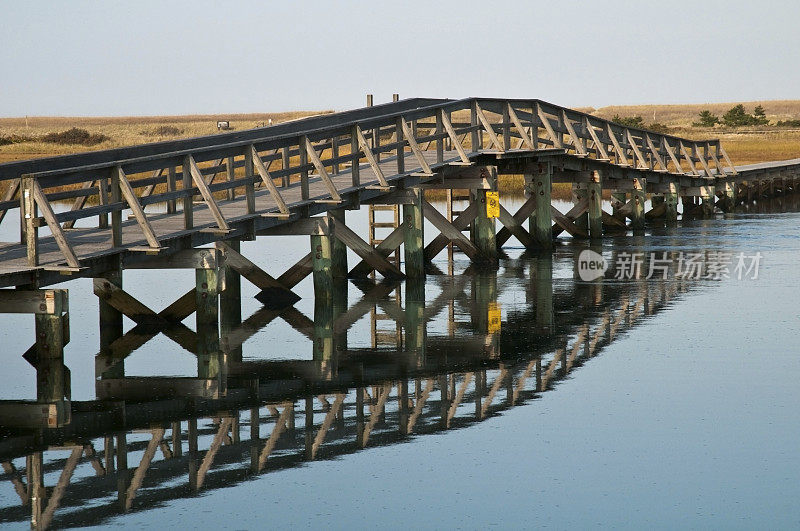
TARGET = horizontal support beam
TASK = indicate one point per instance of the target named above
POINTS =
(45, 301)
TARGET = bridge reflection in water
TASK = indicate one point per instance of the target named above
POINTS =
(435, 362)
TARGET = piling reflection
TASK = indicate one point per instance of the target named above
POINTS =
(469, 347)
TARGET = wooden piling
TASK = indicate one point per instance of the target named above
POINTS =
(595, 192)
(321, 264)
(111, 325)
(671, 204)
(50, 370)
(579, 193)
(338, 249)
(230, 300)
(540, 223)
(207, 318)
(414, 241)
(638, 198)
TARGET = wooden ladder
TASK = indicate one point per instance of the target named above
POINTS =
(381, 336)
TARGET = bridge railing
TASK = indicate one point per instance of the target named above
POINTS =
(384, 141)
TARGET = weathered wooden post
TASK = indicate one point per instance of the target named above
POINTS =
(207, 319)
(595, 192)
(483, 227)
(708, 197)
(322, 263)
(671, 204)
(540, 223)
(414, 242)
(579, 193)
(638, 198)
(37, 493)
(338, 249)
(230, 298)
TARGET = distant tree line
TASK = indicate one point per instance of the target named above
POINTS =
(637, 122)
(736, 116)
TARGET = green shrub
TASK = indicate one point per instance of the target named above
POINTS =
(707, 119)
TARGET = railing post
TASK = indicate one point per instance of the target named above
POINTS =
(229, 172)
(103, 197)
(285, 163)
(172, 185)
(355, 150)
(116, 214)
(439, 133)
(400, 151)
(188, 199)
(250, 187)
(507, 128)
(335, 154)
(301, 143)
(30, 226)
(475, 140)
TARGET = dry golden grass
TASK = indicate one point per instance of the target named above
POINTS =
(124, 131)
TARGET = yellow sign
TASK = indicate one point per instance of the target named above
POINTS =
(492, 204)
(493, 317)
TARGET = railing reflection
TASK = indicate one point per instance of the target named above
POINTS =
(346, 398)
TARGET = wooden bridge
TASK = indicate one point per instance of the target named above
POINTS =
(157, 205)
(276, 414)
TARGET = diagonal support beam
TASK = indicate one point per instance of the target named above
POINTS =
(266, 178)
(567, 224)
(323, 173)
(415, 149)
(598, 146)
(577, 141)
(548, 127)
(654, 151)
(448, 127)
(373, 163)
(273, 293)
(53, 224)
(488, 128)
(526, 139)
(514, 227)
(449, 232)
(136, 208)
(572, 215)
(522, 214)
(208, 197)
(384, 249)
(623, 158)
(344, 234)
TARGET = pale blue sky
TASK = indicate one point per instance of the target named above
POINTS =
(161, 57)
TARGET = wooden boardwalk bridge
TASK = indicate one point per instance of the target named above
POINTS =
(160, 206)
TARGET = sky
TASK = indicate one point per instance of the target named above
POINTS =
(82, 58)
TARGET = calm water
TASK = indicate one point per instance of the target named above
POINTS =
(627, 403)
